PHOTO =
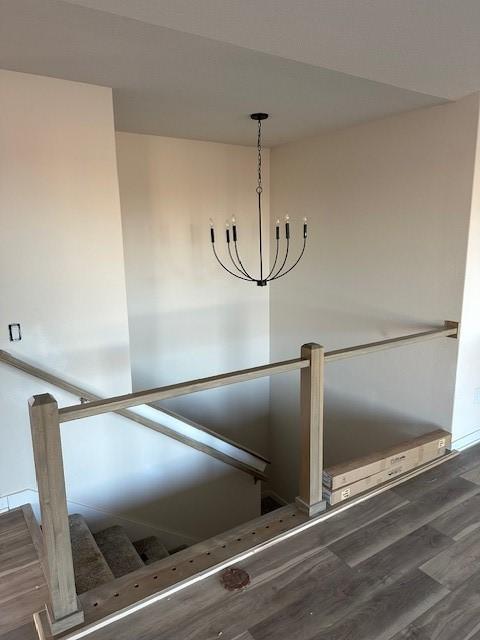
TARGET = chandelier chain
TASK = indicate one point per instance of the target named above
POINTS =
(259, 159)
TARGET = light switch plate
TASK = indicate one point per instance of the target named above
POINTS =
(15, 332)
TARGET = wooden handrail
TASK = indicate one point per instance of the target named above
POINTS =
(76, 412)
(35, 372)
(450, 330)
(180, 389)
(258, 461)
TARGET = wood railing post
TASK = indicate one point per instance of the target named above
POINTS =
(311, 430)
(63, 609)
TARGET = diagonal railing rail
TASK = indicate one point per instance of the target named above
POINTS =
(187, 432)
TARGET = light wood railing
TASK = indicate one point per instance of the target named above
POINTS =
(175, 390)
(45, 419)
(215, 444)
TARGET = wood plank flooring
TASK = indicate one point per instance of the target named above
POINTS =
(403, 566)
(23, 588)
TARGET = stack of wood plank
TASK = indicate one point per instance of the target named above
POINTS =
(344, 481)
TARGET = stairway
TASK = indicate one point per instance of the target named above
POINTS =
(101, 557)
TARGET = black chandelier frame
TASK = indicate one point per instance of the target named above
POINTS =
(232, 238)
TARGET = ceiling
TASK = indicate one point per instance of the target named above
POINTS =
(429, 46)
(196, 69)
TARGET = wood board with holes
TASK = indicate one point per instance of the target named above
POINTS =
(358, 475)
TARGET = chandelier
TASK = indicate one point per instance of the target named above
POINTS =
(279, 267)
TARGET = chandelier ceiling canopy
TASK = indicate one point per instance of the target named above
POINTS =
(280, 267)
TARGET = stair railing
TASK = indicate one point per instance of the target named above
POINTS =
(207, 441)
(45, 418)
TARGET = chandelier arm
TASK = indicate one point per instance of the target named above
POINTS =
(228, 270)
(239, 260)
(280, 275)
(260, 219)
(275, 261)
(242, 271)
(275, 275)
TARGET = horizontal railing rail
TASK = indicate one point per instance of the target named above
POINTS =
(180, 389)
(252, 462)
(116, 403)
(450, 330)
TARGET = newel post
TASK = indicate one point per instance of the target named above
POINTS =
(311, 430)
(63, 609)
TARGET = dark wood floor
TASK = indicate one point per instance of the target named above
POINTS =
(23, 588)
(404, 565)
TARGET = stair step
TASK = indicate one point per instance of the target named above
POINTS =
(269, 504)
(90, 567)
(181, 547)
(151, 549)
(118, 550)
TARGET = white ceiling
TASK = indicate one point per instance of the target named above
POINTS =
(197, 68)
(430, 46)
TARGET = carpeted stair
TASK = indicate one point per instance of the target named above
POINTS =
(91, 568)
(151, 549)
(108, 554)
(118, 551)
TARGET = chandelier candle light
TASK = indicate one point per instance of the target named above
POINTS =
(231, 235)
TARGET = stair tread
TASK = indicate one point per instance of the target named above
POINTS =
(90, 567)
(118, 550)
(151, 549)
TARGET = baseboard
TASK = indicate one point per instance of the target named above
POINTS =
(99, 519)
(3, 504)
(469, 440)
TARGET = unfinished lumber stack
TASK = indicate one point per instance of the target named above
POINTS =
(349, 479)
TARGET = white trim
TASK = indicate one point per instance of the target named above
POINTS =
(464, 442)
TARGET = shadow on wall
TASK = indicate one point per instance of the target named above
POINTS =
(163, 345)
(353, 427)
(356, 429)
(119, 467)
(84, 367)
(226, 341)
(304, 318)
(198, 506)
(187, 515)
(238, 412)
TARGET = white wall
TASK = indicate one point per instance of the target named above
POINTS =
(62, 277)
(389, 206)
(61, 255)
(466, 414)
(188, 318)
